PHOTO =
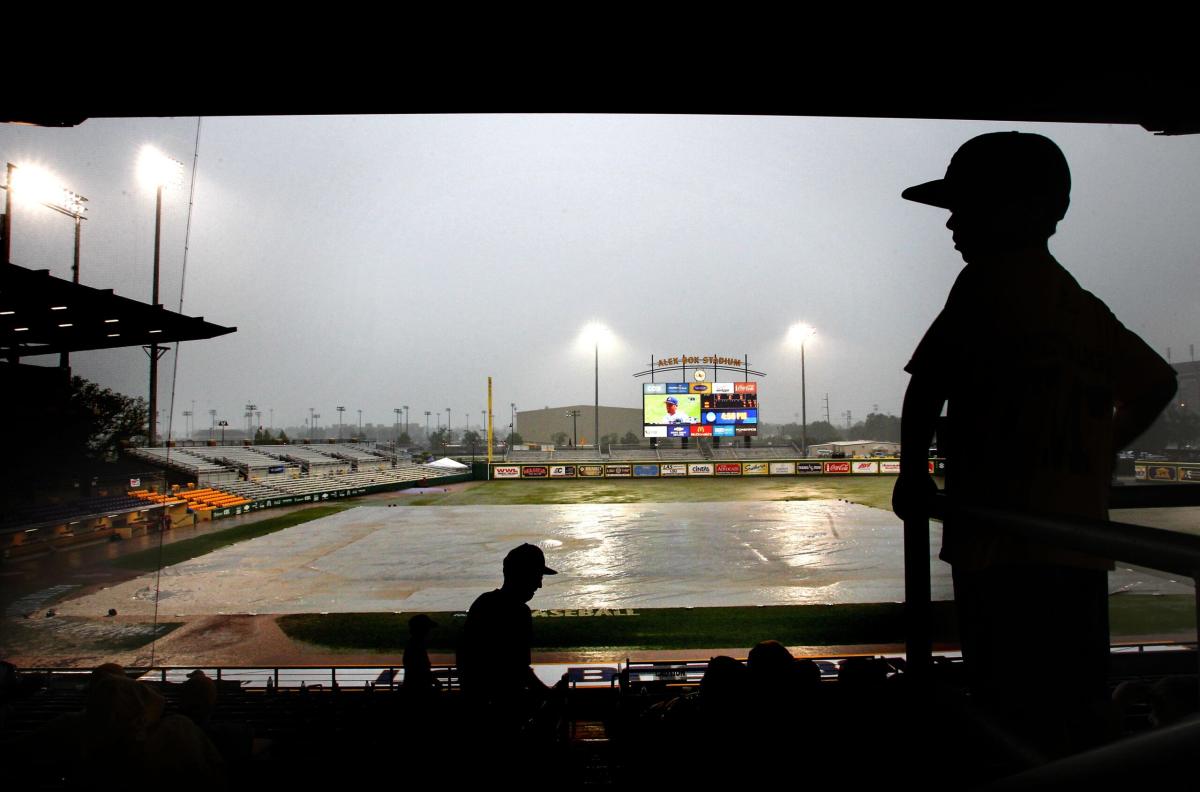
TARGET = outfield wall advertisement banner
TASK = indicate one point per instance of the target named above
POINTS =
(700, 469)
(506, 472)
(754, 468)
(562, 471)
(673, 469)
(783, 468)
(645, 471)
(809, 468)
(729, 468)
(870, 467)
(590, 471)
(534, 471)
(837, 467)
(1189, 474)
(889, 466)
(618, 471)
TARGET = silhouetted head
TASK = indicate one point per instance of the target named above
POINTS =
(420, 625)
(1005, 191)
(524, 567)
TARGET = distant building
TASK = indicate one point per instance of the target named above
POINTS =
(540, 426)
(855, 448)
(1188, 396)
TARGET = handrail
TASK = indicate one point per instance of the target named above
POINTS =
(1150, 547)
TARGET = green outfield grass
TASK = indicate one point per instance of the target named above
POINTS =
(1132, 617)
(176, 552)
(873, 491)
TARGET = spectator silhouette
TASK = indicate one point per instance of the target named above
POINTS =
(1020, 345)
(494, 658)
(418, 675)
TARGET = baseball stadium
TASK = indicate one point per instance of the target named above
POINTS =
(269, 575)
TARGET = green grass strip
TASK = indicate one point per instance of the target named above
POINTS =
(1132, 616)
(636, 628)
(875, 491)
(176, 552)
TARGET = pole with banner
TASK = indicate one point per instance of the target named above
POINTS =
(489, 428)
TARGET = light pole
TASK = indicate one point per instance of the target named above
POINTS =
(798, 335)
(44, 188)
(360, 434)
(427, 414)
(574, 416)
(396, 430)
(407, 426)
(187, 416)
(449, 433)
(212, 432)
(512, 423)
(250, 409)
(311, 423)
(316, 418)
(157, 170)
(594, 333)
(340, 410)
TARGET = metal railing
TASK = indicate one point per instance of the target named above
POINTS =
(1149, 547)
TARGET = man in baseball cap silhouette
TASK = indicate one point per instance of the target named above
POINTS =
(494, 658)
(1022, 351)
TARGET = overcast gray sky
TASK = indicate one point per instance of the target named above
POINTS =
(378, 261)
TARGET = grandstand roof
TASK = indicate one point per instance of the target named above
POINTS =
(51, 315)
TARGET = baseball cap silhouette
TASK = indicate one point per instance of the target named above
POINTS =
(527, 558)
(1001, 167)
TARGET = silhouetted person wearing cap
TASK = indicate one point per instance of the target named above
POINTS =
(1021, 351)
(418, 673)
(494, 659)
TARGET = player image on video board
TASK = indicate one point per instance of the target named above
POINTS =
(673, 408)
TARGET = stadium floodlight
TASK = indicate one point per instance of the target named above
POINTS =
(800, 334)
(340, 411)
(596, 334)
(156, 170)
(34, 185)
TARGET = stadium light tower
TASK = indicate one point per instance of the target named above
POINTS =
(341, 409)
(211, 432)
(427, 414)
(574, 416)
(449, 434)
(512, 423)
(800, 334)
(34, 185)
(156, 170)
(594, 334)
(396, 430)
(406, 424)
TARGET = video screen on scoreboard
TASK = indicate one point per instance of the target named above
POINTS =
(700, 409)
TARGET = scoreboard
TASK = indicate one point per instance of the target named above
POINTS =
(699, 409)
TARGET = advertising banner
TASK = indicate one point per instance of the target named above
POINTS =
(1161, 473)
(1189, 474)
(729, 468)
(730, 416)
(673, 469)
(701, 431)
(590, 471)
(722, 431)
(677, 430)
(871, 467)
(783, 468)
(1139, 472)
(754, 468)
(808, 468)
(745, 387)
(677, 387)
(276, 469)
(506, 472)
(722, 387)
(534, 471)
(889, 466)
(939, 467)
(562, 471)
(654, 431)
(134, 483)
(653, 388)
(700, 469)
(837, 467)
(700, 387)
(745, 430)
(617, 471)
(645, 470)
